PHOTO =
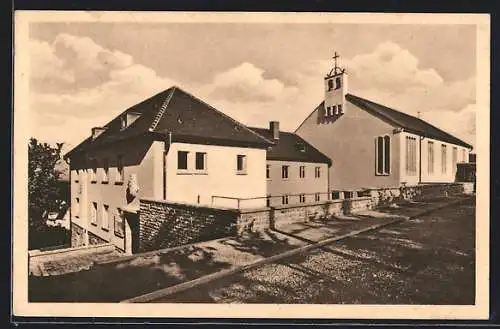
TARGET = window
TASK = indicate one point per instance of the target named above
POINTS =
(383, 155)
(443, 158)
(330, 84)
(284, 199)
(302, 171)
(317, 197)
(76, 208)
(268, 201)
(182, 162)
(201, 159)
(454, 160)
(93, 171)
(119, 223)
(93, 213)
(284, 171)
(335, 195)
(105, 175)
(241, 164)
(105, 218)
(268, 168)
(317, 172)
(340, 110)
(430, 158)
(302, 198)
(411, 155)
(338, 83)
(119, 167)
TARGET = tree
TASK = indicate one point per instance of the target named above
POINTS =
(43, 187)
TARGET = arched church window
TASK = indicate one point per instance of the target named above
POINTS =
(337, 83)
(330, 84)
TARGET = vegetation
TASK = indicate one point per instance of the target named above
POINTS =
(46, 194)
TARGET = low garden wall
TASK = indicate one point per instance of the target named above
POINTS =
(164, 224)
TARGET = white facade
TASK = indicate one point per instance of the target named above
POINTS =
(440, 172)
(220, 183)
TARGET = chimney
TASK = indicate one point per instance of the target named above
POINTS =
(274, 128)
(96, 131)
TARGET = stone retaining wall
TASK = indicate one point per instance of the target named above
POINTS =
(163, 224)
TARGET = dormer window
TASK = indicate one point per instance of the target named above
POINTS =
(128, 118)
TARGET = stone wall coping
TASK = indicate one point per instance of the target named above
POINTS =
(299, 205)
(187, 205)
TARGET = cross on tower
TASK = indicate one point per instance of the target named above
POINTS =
(336, 69)
(335, 56)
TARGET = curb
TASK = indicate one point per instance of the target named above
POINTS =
(218, 275)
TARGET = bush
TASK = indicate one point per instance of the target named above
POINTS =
(48, 236)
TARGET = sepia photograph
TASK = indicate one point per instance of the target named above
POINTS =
(251, 165)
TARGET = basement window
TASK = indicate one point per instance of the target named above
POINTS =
(284, 199)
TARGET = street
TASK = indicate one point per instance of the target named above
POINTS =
(428, 260)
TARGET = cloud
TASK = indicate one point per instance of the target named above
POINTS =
(246, 83)
(80, 84)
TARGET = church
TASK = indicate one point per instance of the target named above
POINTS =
(374, 146)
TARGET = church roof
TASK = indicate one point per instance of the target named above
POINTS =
(291, 147)
(176, 112)
(409, 123)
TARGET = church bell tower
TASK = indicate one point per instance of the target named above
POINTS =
(335, 90)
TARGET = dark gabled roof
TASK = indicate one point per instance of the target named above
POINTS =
(183, 116)
(288, 148)
(407, 122)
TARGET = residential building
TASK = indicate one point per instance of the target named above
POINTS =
(296, 171)
(173, 147)
(375, 146)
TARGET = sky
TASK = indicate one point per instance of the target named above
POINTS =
(83, 74)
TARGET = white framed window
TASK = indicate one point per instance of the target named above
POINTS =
(119, 223)
(93, 171)
(105, 175)
(317, 197)
(284, 199)
(383, 155)
(182, 160)
(284, 172)
(105, 217)
(93, 213)
(241, 164)
(302, 171)
(430, 157)
(201, 161)
(76, 208)
(302, 198)
(317, 172)
(329, 85)
(444, 159)
(411, 155)
(338, 83)
(454, 156)
(120, 175)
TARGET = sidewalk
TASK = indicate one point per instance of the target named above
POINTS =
(126, 278)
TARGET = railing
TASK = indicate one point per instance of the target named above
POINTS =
(283, 199)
